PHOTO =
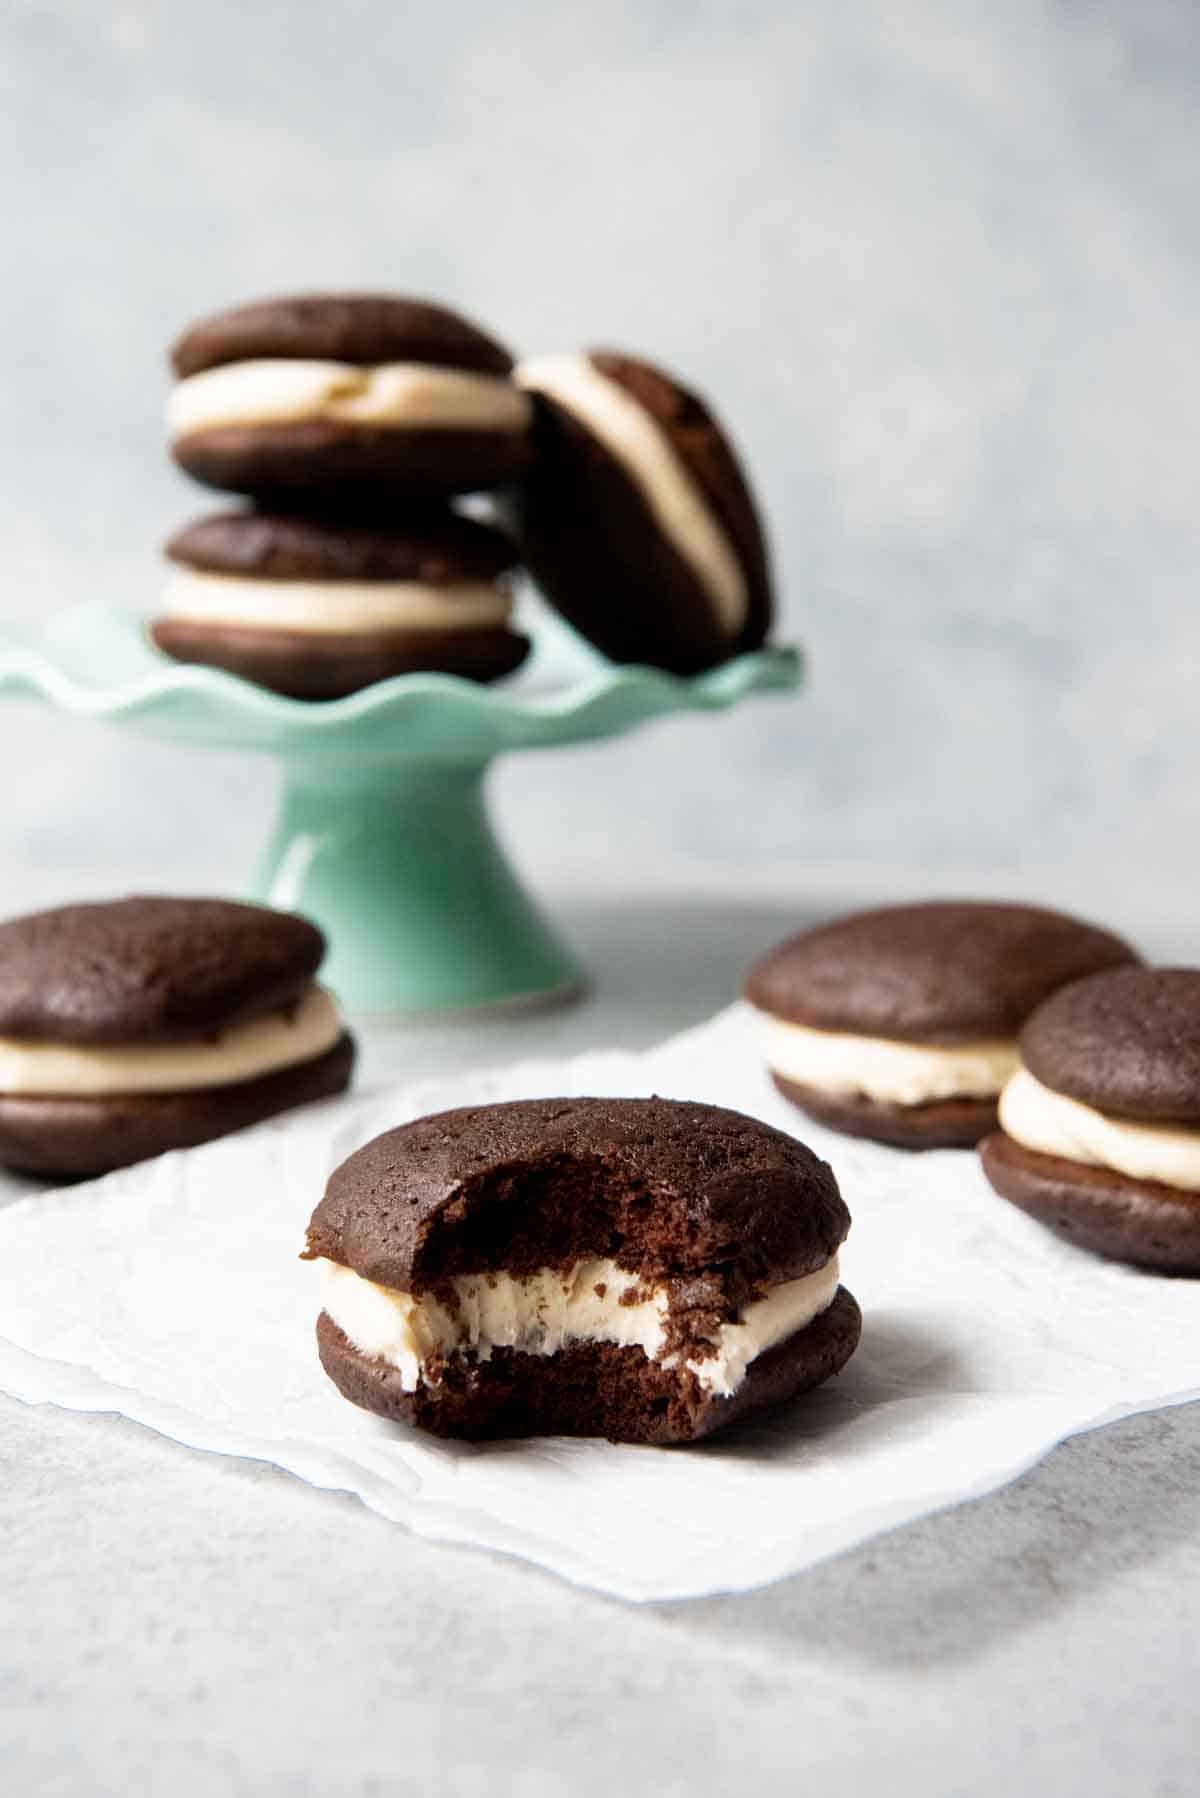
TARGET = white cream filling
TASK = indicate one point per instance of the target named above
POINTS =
(259, 1046)
(547, 1311)
(412, 395)
(629, 433)
(1050, 1123)
(892, 1073)
(786, 1308)
(334, 606)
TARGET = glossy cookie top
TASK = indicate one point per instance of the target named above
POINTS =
(150, 970)
(938, 972)
(662, 1186)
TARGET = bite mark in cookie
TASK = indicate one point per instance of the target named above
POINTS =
(475, 1260)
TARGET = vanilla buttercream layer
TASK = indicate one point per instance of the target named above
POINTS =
(247, 1051)
(333, 607)
(646, 453)
(891, 1073)
(594, 1301)
(401, 395)
(1050, 1123)
(786, 1308)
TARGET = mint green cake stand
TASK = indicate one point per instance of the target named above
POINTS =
(382, 834)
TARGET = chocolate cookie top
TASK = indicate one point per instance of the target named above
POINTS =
(662, 1186)
(711, 461)
(150, 970)
(940, 972)
(359, 328)
(434, 546)
(1126, 1042)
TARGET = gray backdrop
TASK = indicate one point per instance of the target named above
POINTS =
(935, 262)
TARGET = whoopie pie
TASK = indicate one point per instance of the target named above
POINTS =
(636, 518)
(1100, 1125)
(642, 1269)
(322, 605)
(901, 1023)
(139, 1025)
(310, 392)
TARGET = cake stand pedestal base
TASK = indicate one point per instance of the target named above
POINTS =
(400, 867)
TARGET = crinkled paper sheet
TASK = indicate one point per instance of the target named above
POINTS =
(172, 1293)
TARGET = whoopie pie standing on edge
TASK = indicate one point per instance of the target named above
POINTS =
(322, 605)
(1100, 1126)
(320, 391)
(901, 1023)
(142, 1025)
(636, 518)
(642, 1269)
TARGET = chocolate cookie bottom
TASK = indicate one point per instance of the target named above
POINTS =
(305, 665)
(1139, 1221)
(589, 1389)
(274, 461)
(73, 1139)
(945, 1124)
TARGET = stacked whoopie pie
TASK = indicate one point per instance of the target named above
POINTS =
(351, 423)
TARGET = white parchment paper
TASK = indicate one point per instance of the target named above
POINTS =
(172, 1293)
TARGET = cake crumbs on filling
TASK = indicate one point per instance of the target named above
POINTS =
(446, 1295)
(697, 1307)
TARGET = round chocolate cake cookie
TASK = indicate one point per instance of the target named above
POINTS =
(642, 1269)
(142, 1025)
(1100, 1126)
(320, 606)
(319, 391)
(636, 518)
(901, 1023)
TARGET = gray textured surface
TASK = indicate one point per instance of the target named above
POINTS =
(937, 259)
(179, 1622)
